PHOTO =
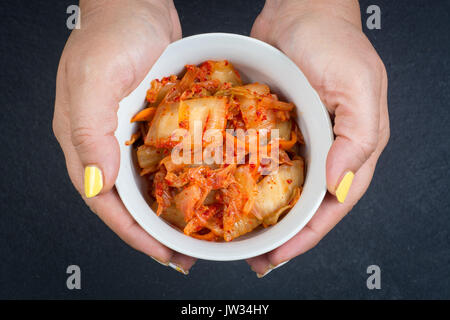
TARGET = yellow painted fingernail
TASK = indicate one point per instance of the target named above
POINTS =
(270, 268)
(178, 268)
(93, 181)
(344, 186)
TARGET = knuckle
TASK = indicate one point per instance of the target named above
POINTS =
(58, 129)
(371, 142)
(316, 236)
(369, 72)
(125, 230)
(55, 128)
(368, 145)
(92, 65)
(81, 66)
(373, 61)
(82, 138)
(385, 136)
(71, 64)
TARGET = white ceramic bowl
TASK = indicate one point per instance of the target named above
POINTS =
(256, 61)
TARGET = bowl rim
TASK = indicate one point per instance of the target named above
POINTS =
(218, 251)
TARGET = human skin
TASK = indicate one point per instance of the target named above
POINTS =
(325, 39)
(107, 58)
(103, 62)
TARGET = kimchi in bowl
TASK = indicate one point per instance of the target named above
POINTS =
(255, 61)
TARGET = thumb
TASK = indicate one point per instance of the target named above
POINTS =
(356, 126)
(94, 99)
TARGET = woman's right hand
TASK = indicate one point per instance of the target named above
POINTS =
(102, 63)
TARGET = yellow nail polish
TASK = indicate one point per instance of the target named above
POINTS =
(344, 186)
(178, 268)
(93, 181)
(270, 268)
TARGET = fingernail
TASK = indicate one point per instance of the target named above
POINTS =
(172, 265)
(270, 268)
(93, 181)
(160, 262)
(178, 268)
(344, 186)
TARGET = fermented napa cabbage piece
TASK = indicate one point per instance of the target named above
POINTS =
(254, 115)
(189, 199)
(163, 125)
(217, 113)
(209, 112)
(162, 93)
(275, 191)
(245, 224)
(285, 128)
(148, 156)
(243, 176)
(225, 72)
(257, 88)
(172, 215)
(191, 111)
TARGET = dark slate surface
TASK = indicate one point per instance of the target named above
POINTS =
(402, 224)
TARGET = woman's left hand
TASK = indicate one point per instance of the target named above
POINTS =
(325, 39)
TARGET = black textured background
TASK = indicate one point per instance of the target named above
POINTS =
(402, 223)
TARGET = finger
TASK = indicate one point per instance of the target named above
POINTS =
(259, 264)
(327, 216)
(113, 213)
(182, 262)
(356, 126)
(95, 85)
(111, 210)
(330, 212)
(93, 103)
